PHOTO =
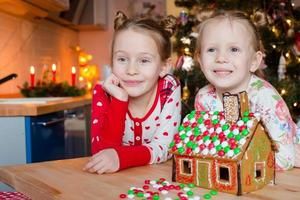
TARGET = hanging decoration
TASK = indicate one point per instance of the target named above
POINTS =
(185, 92)
(281, 68)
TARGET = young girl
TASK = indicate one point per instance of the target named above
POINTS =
(229, 53)
(136, 111)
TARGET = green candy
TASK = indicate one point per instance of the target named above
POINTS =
(236, 151)
(196, 131)
(181, 185)
(194, 146)
(216, 113)
(226, 149)
(188, 128)
(215, 138)
(193, 112)
(189, 144)
(155, 197)
(200, 120)
(225, 127)
(218, 147)
(207, 196)
(180, 128)
(230, 135)
(238, 137)
(191, 185)
(191, 116)
(215, 121)
(190, 193)
(183, 136)
(246, 114)
(245, 132)
(213, 192)
(140, 194)
(181, 150)
(245, 119)
(130, 192)
(206, 138)
(172, 144)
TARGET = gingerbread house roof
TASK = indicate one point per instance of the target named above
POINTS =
(217, 134)
(208, 134)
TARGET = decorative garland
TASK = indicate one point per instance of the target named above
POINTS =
(51, 89)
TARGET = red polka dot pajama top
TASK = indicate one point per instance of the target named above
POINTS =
(138, 141)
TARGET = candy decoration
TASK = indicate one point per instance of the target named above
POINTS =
(208, 134)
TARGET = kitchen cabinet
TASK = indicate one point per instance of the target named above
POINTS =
(56, 135)
(12, 140)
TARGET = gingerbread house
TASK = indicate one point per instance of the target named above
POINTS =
(230, 151)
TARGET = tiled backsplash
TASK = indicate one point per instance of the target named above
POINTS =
(24, 43)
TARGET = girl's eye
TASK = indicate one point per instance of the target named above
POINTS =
(145, 61)
(211, 50)
(121, 60)
(234, 49)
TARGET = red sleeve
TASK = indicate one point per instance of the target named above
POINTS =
(108, 120)
(132, 156)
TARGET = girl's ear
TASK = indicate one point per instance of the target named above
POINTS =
(257, 59)
(165, 69)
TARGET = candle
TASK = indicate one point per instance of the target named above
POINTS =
(73, 76)
(53, 72)
(32, 75)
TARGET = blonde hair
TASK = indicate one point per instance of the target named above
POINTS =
(160, 32)
(232, 15)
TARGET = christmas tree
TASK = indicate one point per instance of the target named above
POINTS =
(278, 22)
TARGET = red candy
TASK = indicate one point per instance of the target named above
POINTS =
(221, 153)
(123, 196)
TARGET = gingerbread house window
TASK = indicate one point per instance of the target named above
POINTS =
(224, 174)
(259, 170)
(186, 167)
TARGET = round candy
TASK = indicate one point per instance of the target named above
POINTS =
(213, 192)
(123, 196)
(237, 151)
(207, 196)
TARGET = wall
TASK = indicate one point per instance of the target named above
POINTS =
(24, 43)
(98, 43)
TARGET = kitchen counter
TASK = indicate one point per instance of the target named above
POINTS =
(64, 179)
(37, 107)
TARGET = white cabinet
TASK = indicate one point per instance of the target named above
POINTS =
(12, 141)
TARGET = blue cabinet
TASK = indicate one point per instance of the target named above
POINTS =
(45, 138)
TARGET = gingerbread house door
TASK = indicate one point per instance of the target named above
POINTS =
(203, 173)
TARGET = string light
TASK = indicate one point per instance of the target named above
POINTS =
(283, 92)
(186, 50)
(295, 104)
(289, 22)
(274, 46)
(287, 54)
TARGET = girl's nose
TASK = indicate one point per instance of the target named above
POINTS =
(221, 57)
(131, 68)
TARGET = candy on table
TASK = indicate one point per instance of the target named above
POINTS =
(162, 188)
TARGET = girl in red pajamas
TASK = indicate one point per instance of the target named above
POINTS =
(136, 111)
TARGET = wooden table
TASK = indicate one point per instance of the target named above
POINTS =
(64, 179)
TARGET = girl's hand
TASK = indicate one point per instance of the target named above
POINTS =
(112, 86)
(105, 161)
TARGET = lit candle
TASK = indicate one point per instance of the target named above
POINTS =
(73, 76)
(32, 75)
(53, 72)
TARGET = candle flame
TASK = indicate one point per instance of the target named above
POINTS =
(53, 67)
(32, 70)
(73, 70)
